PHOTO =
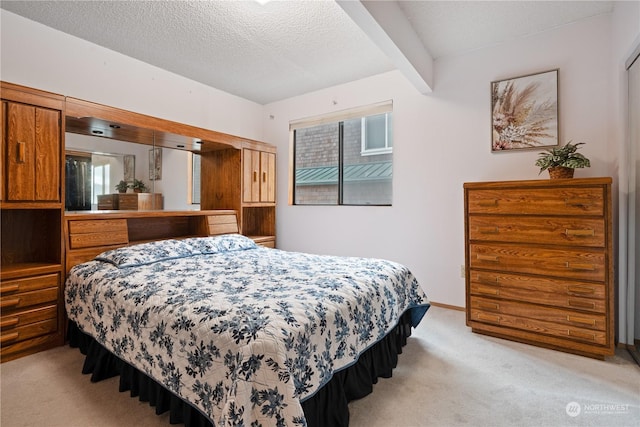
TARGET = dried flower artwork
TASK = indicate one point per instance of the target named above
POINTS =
(524, 112)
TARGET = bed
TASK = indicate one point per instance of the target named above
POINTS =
(221, 331)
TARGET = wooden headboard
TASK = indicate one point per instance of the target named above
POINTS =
(88, 234)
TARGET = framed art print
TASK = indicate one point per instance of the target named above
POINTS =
(524, 112)
(155, 164)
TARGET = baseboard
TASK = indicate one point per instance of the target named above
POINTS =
(450, 307)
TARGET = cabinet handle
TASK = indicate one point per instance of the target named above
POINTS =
(581, 289)
(488, 203)
(10, 288)
(264, 177)
(581, 304)
(488, 305)
(578, 266)
(255, 176)
(12, 321)
(9, 337)
(487, 281)
(584, 335)
(488, 291)
(21, 150)
(492, 258)
(579, 233)
(578, 203)
(489, 230)
(489, 317)
(583, 320)
(10, 302)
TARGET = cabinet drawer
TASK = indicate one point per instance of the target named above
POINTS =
(541, 230)
(540, 327)
(222, 224)
(88, 233)
(29, 331)
(23, 318)
(26, 299)
(537, 312)
(576, 264)
(540, 201)
(558, 293)
(12, 287)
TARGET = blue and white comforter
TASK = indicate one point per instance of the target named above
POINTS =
(242, 332)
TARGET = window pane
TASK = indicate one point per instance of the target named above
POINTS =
(375, 131)
(367, 179)
(316, 163)
(195, 179)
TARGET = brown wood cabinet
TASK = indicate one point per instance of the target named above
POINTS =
(131, 201)
(258, 176)
(539, 266)
(31, 221)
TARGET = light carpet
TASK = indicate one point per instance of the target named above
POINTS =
(446, 376)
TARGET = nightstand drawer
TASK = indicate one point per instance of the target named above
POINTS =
(12, 287)
(575, 264)
(27, 299)
(29, 331)
(541, 290)
(23, 318)
(541, 230)
(543, 201)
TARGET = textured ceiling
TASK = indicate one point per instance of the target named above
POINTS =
(286, 48)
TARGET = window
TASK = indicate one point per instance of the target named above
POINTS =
(101, 181)
(344, 159)
(194, 183)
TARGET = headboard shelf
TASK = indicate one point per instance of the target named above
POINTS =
(88, 234)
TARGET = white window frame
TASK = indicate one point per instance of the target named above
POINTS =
(364, 151)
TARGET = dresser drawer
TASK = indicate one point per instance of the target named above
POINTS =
(575, 264)
(538, 312)
(27, 299)
(539, 290)
(12, 287)
(541, 201)
(571, 333)
(538, 229)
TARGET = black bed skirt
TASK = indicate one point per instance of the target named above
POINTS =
(327, 407)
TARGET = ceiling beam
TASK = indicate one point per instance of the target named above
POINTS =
(388, 27)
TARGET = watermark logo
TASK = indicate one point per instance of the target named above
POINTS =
(573, 409)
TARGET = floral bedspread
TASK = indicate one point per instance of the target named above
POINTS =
(243, 333)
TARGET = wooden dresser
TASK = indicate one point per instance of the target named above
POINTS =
(131, 201)
(539, 264)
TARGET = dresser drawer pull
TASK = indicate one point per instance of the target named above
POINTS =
(579, 203)
(10, 288)
(584, 335)
(583, 320)
(9, 337)
(581, 290)
(6, 323)
(578, 266)
(492, 258)
(488, 291)
(581, 304)
(489, 230)
(488, 203)
(489, 317)
(580, 233)
(489, 306)
(10, 302)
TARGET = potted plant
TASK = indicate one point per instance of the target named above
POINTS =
(122, 186)
(139, 186)
(562, 161)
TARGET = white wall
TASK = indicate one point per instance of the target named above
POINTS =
(442, 140)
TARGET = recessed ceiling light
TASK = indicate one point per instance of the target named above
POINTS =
(114, 126)
(263, 2)
(97, 132)
(180, 146)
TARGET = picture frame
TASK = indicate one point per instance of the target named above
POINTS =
(524, 112)
(129, 166)
(155, 164)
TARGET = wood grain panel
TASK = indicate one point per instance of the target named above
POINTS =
(570, 263)
(543, 201)
(21, 151)
(10, 287)
(26, 299)
(47, 154)
(540, 230)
